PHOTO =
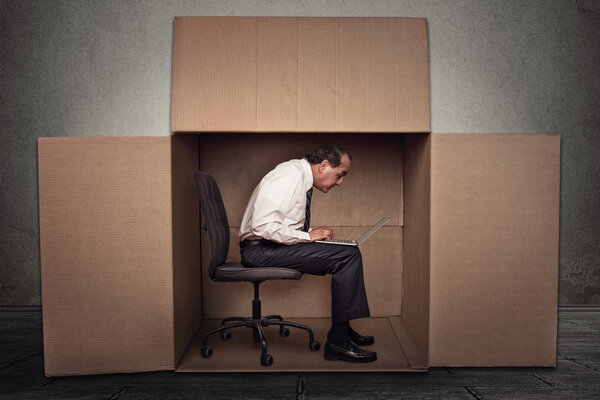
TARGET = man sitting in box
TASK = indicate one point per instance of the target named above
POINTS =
(275, 233)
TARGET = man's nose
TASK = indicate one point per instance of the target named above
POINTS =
(339, 182)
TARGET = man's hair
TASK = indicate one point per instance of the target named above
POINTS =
(330, 152)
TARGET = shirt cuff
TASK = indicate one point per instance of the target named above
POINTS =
(304, 236)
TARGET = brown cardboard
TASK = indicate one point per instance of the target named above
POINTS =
(372, 190)
(273, 74)
(409, 347)
(417, 242)
(494, 249)
(277, 72)
(105, 243)
(109, 274)
(187, 267)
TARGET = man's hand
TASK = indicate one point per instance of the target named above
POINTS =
(321, 233)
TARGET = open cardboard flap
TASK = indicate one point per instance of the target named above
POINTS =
(494, 249)
(106, 255)
(299, 74)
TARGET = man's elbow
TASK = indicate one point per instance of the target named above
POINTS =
(260, 231)
(266, 231)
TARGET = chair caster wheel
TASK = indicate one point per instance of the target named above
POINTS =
(266, 360)
(206, 352)
(315, 346)
(283, 331)
(226, 334)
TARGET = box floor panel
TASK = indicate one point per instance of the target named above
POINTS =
(242, 354)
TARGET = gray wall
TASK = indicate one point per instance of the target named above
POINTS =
(103, 68)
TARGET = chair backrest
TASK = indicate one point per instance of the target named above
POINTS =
(215, 219)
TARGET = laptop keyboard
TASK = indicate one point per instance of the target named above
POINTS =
(342, 240)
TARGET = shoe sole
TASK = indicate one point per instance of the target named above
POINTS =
(331, 357)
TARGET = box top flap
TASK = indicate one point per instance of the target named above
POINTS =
(298, 74)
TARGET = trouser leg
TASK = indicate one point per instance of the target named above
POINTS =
(344, 263)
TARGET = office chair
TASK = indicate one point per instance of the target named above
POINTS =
(218, 230)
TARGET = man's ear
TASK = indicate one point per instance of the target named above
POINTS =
(322, 165)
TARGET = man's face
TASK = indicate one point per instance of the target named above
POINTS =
(327, 178)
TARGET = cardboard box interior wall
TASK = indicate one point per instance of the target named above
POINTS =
(466, 274)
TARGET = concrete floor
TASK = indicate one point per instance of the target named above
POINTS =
(577, 375)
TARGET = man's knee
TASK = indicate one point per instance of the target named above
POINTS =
(352, 258)
(354, 253)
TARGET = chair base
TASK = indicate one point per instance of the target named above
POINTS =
(259, 333)
(257, 322)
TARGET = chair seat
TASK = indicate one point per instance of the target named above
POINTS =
(236, 272)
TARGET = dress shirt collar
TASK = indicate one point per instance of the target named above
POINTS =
(308, 177)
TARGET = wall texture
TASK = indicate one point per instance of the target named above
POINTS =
(103, 68)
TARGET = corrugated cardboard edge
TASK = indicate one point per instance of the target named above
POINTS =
(187, 269)
(417, 231)
(414, 357)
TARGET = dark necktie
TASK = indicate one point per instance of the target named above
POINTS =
(307, 212)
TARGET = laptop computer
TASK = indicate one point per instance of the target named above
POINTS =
(365, 236)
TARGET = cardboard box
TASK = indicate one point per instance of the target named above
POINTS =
(470, 279)
(465, 274)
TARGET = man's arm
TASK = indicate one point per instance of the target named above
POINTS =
(280, 233)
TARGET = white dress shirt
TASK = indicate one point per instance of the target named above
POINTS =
(277, 206)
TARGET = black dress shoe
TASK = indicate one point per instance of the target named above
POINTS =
(361, 340)
(352, 354)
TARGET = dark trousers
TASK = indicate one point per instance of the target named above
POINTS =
(344, 263)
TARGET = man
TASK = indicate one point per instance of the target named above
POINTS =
(275, 233)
